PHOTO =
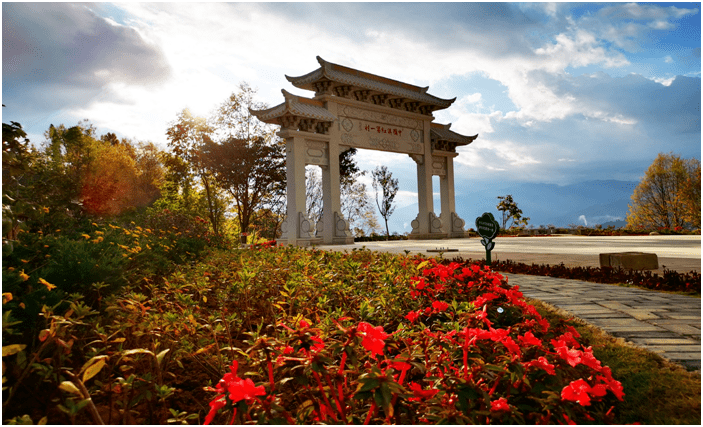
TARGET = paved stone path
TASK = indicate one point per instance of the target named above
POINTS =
(667, 324)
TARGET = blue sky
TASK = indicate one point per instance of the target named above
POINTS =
(559, 93)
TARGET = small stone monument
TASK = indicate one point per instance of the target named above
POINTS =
(487, 227)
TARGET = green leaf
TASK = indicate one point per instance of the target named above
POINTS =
(70, 387)
(367, 384)
(137, 351)
(160, 356)
(9, 350)
(93, 369)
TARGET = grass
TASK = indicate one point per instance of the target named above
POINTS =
(656, 391)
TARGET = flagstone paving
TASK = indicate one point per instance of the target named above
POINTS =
(666, 324)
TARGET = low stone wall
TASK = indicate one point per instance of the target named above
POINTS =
(630, 260)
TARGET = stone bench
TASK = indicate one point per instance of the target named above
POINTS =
(630, 260)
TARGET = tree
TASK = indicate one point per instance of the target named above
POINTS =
(313, 195)
(187, 137)
(669, 195)
(383, 180)
(18, 159)
(249, 160)
(356, 206)
(252, 172)
(690, 196)
(510, 212)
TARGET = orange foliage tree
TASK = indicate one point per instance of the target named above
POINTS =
(669, 195)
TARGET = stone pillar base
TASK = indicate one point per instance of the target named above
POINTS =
(346, 240)
(300, 242)
(427, 236)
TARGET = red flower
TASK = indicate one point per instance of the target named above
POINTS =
(412, 316)
(542, 363)
(614, 386)
(529, 339)
(420, 394)
(577, 391)
(588, 359)
(510, 344)
(217, 404)
(440, 305)
(373, 338)
(244, 390)
(572, 357)
(500, 405)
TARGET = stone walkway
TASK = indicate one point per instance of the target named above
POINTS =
(666, 324)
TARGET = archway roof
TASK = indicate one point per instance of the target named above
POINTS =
(440, 132)
(342, 75)
(296, 106)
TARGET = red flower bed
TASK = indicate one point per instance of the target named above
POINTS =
(471, 351)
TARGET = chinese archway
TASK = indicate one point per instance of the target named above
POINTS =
(352, 108)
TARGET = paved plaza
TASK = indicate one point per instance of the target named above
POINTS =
(679, 253)
(666, 324)
(663, 323)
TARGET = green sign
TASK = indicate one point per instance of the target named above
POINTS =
(487, 227)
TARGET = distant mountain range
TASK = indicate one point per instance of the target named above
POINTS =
(585, 203)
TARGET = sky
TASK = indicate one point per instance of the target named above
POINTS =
(558, 93)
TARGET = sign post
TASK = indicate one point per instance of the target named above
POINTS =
(487, 228)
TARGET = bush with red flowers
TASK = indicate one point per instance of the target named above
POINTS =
(471, 351)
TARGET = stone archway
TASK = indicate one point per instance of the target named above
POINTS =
(352, 108)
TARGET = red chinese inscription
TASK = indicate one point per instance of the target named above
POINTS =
(383, 129)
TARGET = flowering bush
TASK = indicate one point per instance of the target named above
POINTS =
(472, 351)
(298, 336)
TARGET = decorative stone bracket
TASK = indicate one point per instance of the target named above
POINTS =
(435, 224)
(457, 223)
(341, 228)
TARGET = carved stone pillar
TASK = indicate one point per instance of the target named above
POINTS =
(296, 228)
(451, 223)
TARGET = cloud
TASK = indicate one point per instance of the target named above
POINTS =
(62, 55)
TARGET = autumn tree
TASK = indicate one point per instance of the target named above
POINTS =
(383, 180)
(187, 137)
(510, 212)
(669, 195)
(690, 196)
(248, 159)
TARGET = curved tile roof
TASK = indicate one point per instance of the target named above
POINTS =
(341, 74)
(296, 106)
(442, 133)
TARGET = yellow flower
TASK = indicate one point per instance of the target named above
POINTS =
(48, 285)
(6, 297)
(87, 236)
(57, 230)
(99, 232)
(94, 224)
(11, 268)
(45, 209)
(24, 276)
(46, 246)
(22, 304)
(24, 261)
